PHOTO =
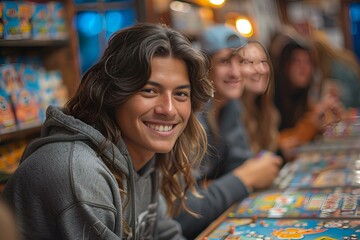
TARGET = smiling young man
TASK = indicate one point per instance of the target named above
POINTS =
(159, 112)
(125, 137)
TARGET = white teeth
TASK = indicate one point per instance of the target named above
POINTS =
(160, 128)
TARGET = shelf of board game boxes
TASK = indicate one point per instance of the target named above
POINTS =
(32, 20)
(30, 43)
(26, 90)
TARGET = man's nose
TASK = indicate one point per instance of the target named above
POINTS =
(165, 105)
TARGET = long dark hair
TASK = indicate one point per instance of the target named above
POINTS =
(123, 70)
(292, 102)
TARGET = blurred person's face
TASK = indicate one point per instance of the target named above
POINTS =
(300, 68)
(255, 68)
(152, 119)
(226, 75)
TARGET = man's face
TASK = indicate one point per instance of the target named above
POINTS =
(153, 118)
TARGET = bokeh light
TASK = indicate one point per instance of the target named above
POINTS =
(90, 23)
(244, 27)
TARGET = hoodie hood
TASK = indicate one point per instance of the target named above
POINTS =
(61, 127)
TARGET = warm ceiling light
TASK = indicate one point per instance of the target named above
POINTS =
(244, 27)
(217, 2)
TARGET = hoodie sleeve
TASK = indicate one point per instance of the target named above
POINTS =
(82, 221)
(217, 198)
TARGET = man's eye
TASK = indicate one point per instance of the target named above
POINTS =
(182, 94)
(148, 91)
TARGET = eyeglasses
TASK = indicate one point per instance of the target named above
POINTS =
(261, 63)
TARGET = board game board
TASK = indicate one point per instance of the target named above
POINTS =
(321, 170)
(315, 161)
(316, 229)
(322, 179)
(341, 202)
(324, 145)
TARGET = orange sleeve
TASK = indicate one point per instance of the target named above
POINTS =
(304, 131)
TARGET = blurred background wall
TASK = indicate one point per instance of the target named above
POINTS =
(96, 20)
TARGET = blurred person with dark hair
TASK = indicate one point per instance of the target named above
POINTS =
(302, 118)
(286, 34)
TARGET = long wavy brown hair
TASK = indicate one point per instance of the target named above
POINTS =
(261, 117)
(123, 70)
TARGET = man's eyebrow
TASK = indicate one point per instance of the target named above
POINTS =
(153, 83)
(184, 86)
(159, 85)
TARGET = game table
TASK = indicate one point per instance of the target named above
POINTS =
(315, 197)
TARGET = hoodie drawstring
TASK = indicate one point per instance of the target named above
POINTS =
(132, 195)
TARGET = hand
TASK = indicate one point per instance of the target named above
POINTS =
(259, 173)
(287, 146)
(329, 110)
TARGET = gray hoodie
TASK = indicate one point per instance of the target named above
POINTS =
(63, 190)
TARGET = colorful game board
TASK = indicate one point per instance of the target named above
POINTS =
(317, 161)
(321, 170)
(342, 202)
(321, 179)
(326, 145)
(316, 229)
